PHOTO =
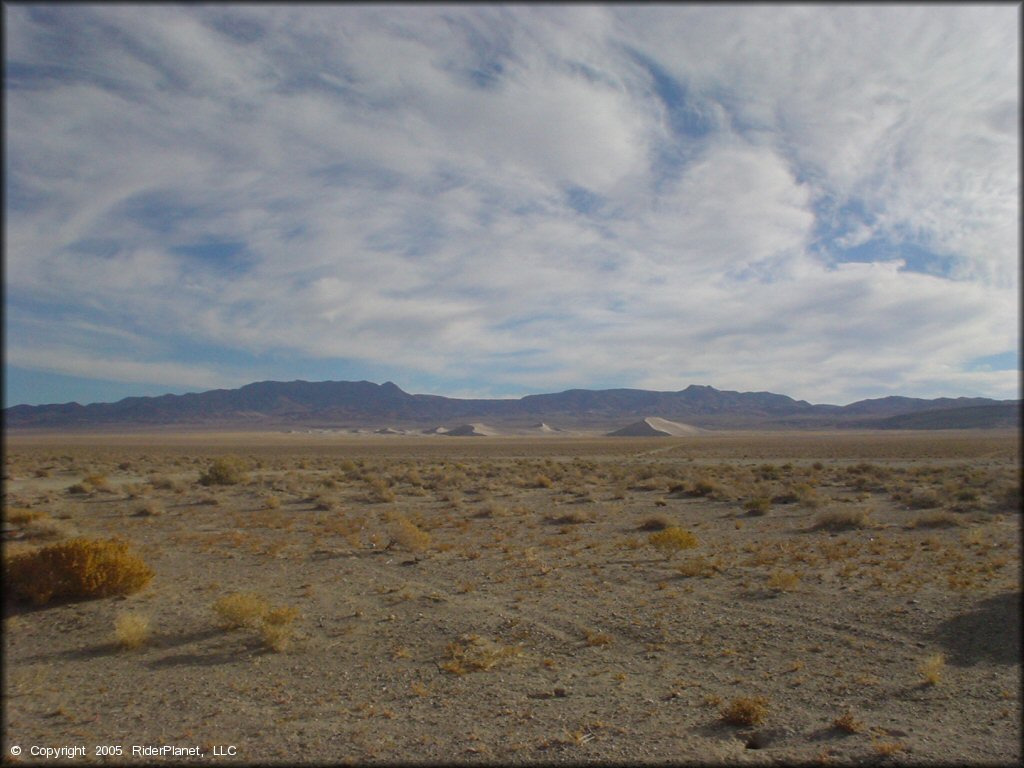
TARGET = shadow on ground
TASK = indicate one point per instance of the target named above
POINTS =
(989, 633)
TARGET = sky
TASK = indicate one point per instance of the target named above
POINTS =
(493, 201)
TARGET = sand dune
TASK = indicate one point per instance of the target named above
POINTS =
(475, 429)
(546, 428)
(653, 426)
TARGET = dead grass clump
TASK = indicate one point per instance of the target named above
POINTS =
(757, 506)
(97, 481)
(36, 524)
(276, 630)
(380, 489)
(569, 518)
(931, 668)
(472, 653)
(672, 540)
(241, 609)
(847, 723)
(698, 566)
(745, 711)
(842, 520)
(224, 470)
(926, 499)
(19, 516)
(131, 630)
(702, 487)
(940, 519)
(596, 639)
(75, 569)
(149, 509)
(783, 581)
(249, 610)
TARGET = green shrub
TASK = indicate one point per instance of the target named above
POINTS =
(75, 569)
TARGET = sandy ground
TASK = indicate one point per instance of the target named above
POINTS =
(499, 600)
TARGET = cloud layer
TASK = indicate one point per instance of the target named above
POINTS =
(819, 201)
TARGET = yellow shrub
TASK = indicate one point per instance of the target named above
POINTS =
(131, 629)
(253, 611)
(746, 711)
(75, 569)
(671, 540)
(241, 609)
(408, 535)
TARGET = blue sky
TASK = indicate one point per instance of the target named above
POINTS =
(475, 200)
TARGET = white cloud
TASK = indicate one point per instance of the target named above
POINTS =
(401, 183)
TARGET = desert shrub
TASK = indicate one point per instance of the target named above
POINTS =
(252, 611)
(848, 723)
(75, 569)
(149, 509)
(698, 566)
(783, 581)
(672, 540)
(98, 481)
(21, 516)
(241, 609)
(575, 517)
(757, 506)
(276, 630)
(842, 519)
(931, 668)
(407, 534)
(1009, 498)
(924, 500)
(131, 630)
(596, 639)
(937, 520)
(702, 488)
(47, 528)
(655, 523)
(472, 653)
(745, 711)
(224, 470)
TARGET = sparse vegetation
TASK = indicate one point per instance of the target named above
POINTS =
(566, 591)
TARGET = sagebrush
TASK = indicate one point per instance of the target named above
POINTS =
(75, 569)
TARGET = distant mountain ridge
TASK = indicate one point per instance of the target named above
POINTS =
(360, 404)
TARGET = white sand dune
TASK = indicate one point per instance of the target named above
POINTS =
(547, 428)
(475, 429)
(653, 426)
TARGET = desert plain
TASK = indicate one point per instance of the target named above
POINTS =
(727, 598)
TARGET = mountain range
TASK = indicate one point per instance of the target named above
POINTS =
(363, 404)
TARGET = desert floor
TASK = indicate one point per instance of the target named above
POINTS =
(855, 596)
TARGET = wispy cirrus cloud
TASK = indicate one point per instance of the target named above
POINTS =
(820, 201)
